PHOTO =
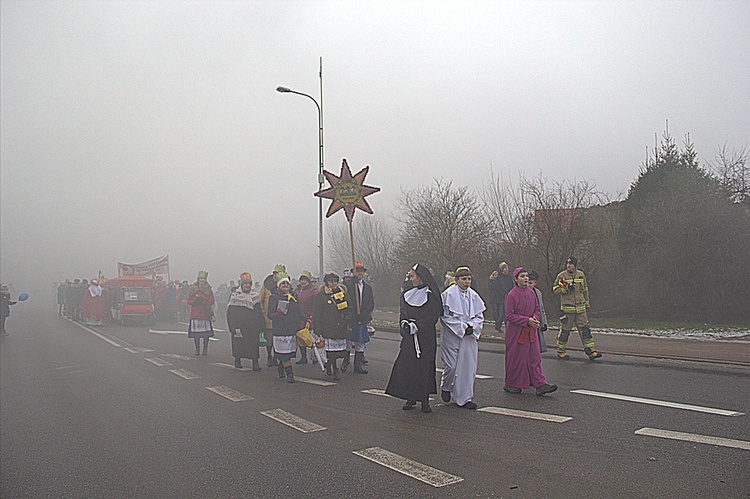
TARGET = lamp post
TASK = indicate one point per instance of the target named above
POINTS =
(321, 178)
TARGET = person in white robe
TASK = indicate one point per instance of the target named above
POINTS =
(462, 319)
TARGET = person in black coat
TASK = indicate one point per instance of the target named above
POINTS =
(359, 318)
(413, 374)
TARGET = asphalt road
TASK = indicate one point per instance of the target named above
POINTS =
(108, 412)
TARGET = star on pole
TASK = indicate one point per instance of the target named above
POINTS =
(347, 191)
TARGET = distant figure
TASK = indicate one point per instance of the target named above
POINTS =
(306, 292)
(201, 301)
(500, 283)
(93, 305)
(5, 303)
(523, 362)
(266, 290)
(533, 282)
(60, 298)
(413, 374)
(462, 319)
(573, 290)
(245, 321)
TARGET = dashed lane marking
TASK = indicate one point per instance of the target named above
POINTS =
(228, 393)
(311, 381)
(478, 376)
(553, 418)
(175, 356)
(293, 421)
(157, 331)
(158, 362)
(693, 437)
(662, 403)
(406, 466)
(137, 350)
(182, 373)
(100, 336)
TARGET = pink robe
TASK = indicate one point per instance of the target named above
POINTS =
(523, 362)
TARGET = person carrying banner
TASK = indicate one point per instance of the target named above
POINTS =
(201, 301)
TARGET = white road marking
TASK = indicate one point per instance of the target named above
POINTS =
(553, 418)
(182, 373)
(662, 403)
(64, 367)
(311, 381)
(137, 350)
(228, 393)
(156, 331)
(175, 356)
(293, 421)
(158, 362)
(100, 336)
(406, 466)
(222, 364)
(692, 437)
(478, 376)
(376, 391)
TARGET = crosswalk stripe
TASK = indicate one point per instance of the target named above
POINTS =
(158, 362)
(693, 437)
(376, 391)
(182, 373)
(662, 403)
(175, 356)
(228, 393)
(553, 418)
(137, 350)
(293, 421)
(408, 467)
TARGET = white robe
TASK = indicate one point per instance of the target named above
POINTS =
(458, 350)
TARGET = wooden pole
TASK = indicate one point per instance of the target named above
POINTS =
(356, 284)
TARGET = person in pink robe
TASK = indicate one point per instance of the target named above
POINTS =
(92, 305)
(523, 362)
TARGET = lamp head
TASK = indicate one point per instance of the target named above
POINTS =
(283, 89)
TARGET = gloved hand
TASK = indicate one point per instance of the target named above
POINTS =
(469, 331)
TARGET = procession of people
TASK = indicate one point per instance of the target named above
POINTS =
(331, 319)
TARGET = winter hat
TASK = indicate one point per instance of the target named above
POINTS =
(246, 277)
(533, 275)
(573, 260)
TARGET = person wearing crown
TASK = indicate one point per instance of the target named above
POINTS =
(266, 290)
(287, 318)
(201, 301)
(245, 321)
(332, 308)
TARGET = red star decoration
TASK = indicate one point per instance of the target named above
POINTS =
(347, 191)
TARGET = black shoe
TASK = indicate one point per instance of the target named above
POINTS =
(426, 406)
(237, 363)
(545, 388)
(591, 353)
(409, 405)
(345, 363)
(256, 365)
(289, 374)
(563, 356)
(282, 372)
(269, 362)
(469, 405)
(358, 363)
(446, 396)
(512, 389)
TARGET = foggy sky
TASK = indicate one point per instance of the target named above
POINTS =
(131, 129)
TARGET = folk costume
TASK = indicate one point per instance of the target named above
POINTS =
(358, 336)
(5, 303)
(306, 295)
(462, 319)
(92, 305)
(332, 308)
(287, 319)
(245, 321)
(201, 301)
(413, 374)
(573, 290)
(266, 290)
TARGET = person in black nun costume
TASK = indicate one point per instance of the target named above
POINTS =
(413, 373)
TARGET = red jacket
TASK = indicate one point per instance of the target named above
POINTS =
(200, 305)
(306, 299)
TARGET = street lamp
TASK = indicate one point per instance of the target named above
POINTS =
(321, 178)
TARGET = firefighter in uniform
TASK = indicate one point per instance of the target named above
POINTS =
(570, 285)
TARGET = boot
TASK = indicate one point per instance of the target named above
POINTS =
(345, 362)
(289, 374)
(205, 346)
(336, 376)
(269, 357)
(256, 365)
(237, 363)
(197, 342)
(282, 372)
(358, 356)
(329, 368)
(303, 355)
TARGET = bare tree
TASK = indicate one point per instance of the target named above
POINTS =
(732, 168)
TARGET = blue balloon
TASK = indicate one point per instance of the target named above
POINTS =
(23, 297)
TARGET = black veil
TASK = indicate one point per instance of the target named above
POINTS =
(427, 278)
